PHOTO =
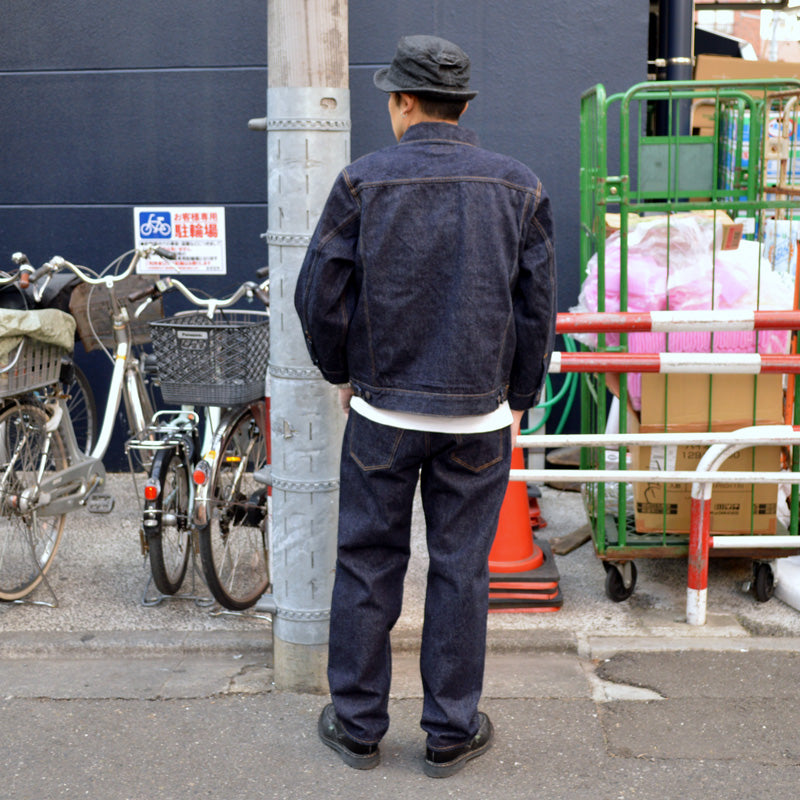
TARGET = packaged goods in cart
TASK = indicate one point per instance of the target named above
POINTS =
(677, 263)
(780, 243)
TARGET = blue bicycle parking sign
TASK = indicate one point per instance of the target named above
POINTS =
(195, 234)
(155, 224)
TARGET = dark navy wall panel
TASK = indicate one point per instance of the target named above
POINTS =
(132, 137)
(98, 34)
(531, 61)
(104, 106)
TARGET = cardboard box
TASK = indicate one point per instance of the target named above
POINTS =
(731, 503)
(698, 403)
(685, 402)
(614, 222)
(711, 68)
(730, 235)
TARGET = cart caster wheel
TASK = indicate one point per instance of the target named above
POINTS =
(620, 580)
(763, 581)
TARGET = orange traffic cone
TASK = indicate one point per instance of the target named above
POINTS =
(522, 574)
(537, 520)
(514, 549)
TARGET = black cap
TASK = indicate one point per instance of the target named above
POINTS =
(429, 66)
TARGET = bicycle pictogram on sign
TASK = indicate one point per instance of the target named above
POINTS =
(155, 225)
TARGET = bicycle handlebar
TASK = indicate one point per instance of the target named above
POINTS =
(39, 273)
(167, 284)
(151, 293)
(58, 262)
(25, 269)
(22, 273)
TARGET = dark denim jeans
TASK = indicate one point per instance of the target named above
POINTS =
(463, 481)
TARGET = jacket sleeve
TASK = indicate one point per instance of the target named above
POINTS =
(534, 300)
(327, 290)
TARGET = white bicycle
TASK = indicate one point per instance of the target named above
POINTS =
(44, 474)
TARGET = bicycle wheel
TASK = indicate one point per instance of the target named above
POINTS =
(82, 409)
(166, 520)
(233, 542)
(28, 540)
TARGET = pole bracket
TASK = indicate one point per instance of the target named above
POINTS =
(290, 485)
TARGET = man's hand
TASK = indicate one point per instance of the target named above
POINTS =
(345, 393)
(516, 425)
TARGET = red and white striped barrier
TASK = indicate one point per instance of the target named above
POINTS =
(670, 321)
(722, 446)
(705, 363)
(701, 542)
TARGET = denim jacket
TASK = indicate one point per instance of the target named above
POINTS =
(429, 284)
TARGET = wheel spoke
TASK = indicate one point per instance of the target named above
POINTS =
(169, 543)
(28, 541)
(234, 548)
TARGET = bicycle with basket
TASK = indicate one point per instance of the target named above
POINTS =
(205, 487)
(18, 293)
(44, 471)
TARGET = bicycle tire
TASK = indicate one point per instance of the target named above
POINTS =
(28, 541)
(82, 409)
(166, 521)
(233, 541)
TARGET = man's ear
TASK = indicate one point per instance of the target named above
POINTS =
(408, 103)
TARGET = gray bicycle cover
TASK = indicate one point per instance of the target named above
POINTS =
(48, 325)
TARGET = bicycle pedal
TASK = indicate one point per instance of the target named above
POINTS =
(100, 504)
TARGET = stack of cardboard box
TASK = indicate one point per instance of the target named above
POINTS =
(699, 403)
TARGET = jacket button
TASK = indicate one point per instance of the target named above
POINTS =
(367, 396)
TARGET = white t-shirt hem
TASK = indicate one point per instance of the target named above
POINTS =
(475, 423)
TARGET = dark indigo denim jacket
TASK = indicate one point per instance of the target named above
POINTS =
(430, 282)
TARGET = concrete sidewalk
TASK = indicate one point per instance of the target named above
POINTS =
(100, 578)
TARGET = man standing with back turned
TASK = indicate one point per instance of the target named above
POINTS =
(428, 295)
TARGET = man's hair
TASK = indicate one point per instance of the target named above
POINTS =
(436, 107)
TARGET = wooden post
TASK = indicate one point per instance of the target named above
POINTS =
(307, 43)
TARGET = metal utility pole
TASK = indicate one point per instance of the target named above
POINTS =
(308, 143)
(677, 38)
(675, 62)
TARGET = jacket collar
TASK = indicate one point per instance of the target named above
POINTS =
(439, 130)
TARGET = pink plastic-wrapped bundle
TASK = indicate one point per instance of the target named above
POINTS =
(672, 264)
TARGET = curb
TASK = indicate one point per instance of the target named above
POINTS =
(133, 644)
(258, 644)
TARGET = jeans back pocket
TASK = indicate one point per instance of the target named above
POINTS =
(372, 446)
(478, 451)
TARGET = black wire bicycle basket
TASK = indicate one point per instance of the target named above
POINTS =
(218, 361)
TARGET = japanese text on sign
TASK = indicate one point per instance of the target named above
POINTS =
(195, 234)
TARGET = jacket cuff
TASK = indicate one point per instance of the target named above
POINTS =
(522, 402)
(336, 377)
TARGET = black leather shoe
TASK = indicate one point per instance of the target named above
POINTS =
(443, 763)
(355, 754)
